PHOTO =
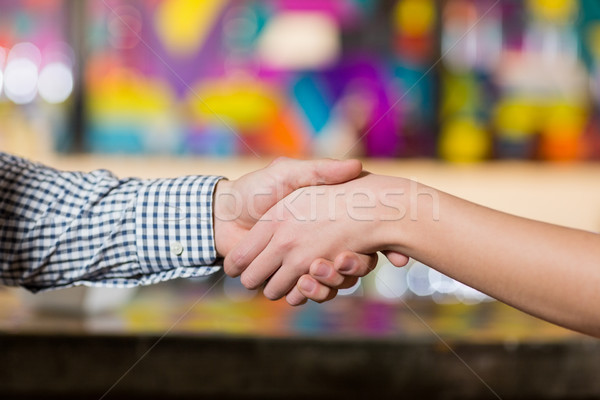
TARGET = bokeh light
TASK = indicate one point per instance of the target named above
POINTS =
(390, 281)
(417, 279)
(441, 283)
(287, 43)
(21, 73)
(55, 83)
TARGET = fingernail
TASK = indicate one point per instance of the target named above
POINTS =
(347, 265)
(322, 270)
(307, 285)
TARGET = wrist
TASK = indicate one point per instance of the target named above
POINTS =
(222, 218)
(392, 230)
(421, 212)
(378, 205)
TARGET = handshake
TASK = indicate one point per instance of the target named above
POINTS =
(309, 228)
(312, 227)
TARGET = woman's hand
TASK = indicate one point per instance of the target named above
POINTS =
(318, 223)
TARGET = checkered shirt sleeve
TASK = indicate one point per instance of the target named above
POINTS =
(61, 229)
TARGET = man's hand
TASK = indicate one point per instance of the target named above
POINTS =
(326, 277)
(239, 204)
(316, 223)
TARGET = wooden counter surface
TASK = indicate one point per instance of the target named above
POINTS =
(168, 344)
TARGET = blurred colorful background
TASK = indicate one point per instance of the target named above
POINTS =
(159, 88)
(457, 80)
(460, 80)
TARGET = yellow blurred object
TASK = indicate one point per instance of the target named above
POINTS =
(557, 11)
(245, 103)
(124, 93)
(461, 95)
(183, 25)
(464, 140)
(563, 120)
(414, 17)
(516, 118)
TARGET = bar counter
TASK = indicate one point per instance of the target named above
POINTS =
(182, 340)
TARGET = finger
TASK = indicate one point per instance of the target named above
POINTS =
(255, 241)
(348, 282)
(351, 264)
(262, 267)
(295, 297)
(397, 259)
(314, 290)
(282, 280)
(324, 272)
(328, 276)
(286, 278)
(298, 174)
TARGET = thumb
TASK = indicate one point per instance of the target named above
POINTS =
(395, 258)
(320, 172)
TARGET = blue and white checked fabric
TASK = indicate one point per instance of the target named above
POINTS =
(61, 229)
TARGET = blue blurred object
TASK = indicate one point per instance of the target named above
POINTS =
(309, 94)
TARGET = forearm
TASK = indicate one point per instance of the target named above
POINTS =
(62, 229)
(546, 270)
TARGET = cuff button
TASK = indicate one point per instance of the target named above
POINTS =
(176, 248)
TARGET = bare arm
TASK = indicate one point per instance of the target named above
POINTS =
(548, 271)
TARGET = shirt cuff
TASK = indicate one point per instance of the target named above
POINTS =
(174, 226)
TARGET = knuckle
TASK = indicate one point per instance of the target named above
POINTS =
(236, 258)
(337, 280)
(271, 293)
(316, 271)
(320, 296)
(230, 269)
(316, 176)
(234, 264)
(299, 267)
(249, 281)
(279, 160)
(285, 241)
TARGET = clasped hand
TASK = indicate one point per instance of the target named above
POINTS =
(309, 228)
